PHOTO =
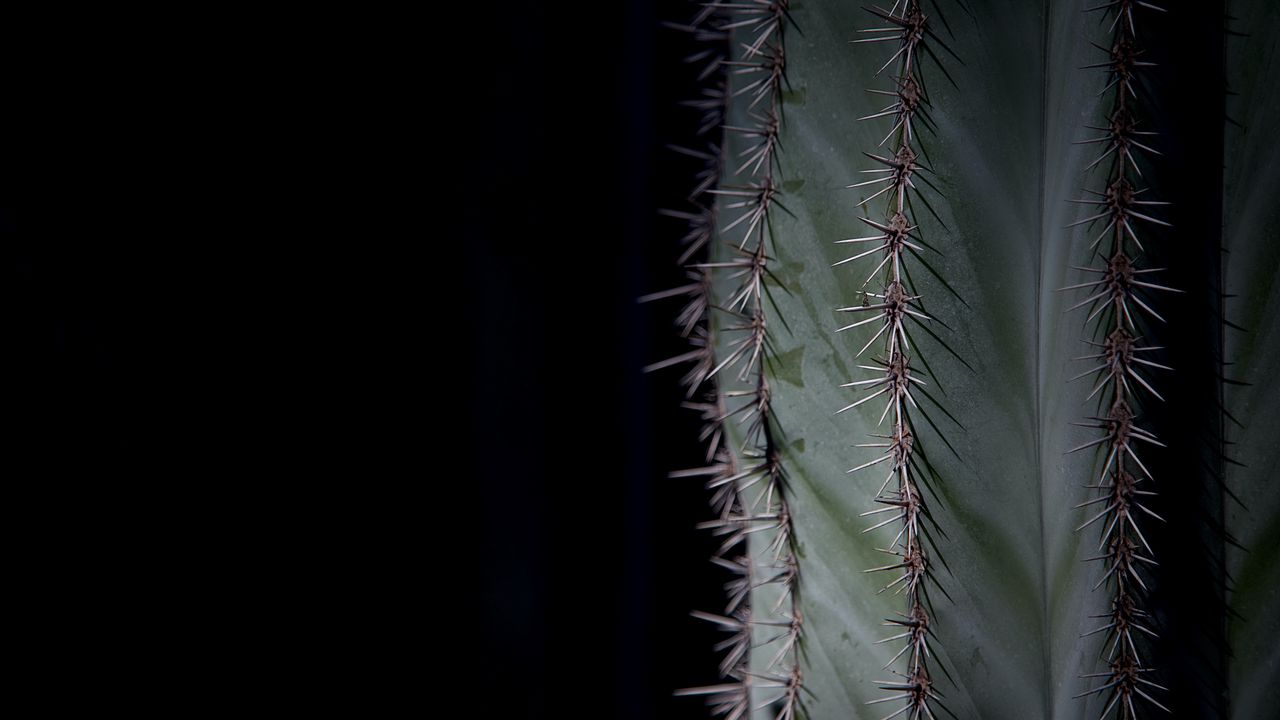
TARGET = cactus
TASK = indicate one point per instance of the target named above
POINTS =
(959, 300)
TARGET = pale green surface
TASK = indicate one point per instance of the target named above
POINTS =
(1251, 219)
(1004, 159)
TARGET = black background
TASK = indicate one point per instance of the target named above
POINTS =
(325, 359)
(593, 562)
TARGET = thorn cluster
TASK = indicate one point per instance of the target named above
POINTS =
(891, 308)
(1119, 299)
(750, 488)
(731, 698)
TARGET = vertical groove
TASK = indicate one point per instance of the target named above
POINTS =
(1046, 629)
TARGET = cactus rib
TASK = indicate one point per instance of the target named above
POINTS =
(755, 72)
(1115, 298)
(906, 25)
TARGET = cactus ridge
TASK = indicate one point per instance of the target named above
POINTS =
(1116, 290)
(749, 487)
(894, 306)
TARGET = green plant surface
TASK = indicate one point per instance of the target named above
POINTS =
(1251, 219)
(998, 361)
(992, 170)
